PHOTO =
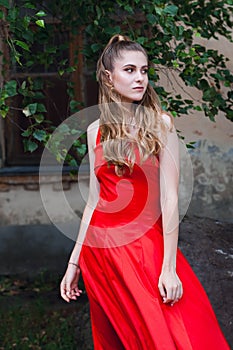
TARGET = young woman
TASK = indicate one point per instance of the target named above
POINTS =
(143, 294)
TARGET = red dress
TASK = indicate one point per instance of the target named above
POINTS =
(121, 262)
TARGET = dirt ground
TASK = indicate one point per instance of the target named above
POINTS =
(208, 246)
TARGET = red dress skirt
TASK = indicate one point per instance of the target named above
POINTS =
(121, 261)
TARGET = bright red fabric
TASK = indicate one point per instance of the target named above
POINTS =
(121, 262)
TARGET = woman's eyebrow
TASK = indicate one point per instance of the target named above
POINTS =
(134, 66)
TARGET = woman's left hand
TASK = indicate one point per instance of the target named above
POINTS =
(170, 287)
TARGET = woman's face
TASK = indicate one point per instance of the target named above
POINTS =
(129, 76)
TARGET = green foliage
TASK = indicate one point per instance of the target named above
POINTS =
(33, 317)
(167, 29)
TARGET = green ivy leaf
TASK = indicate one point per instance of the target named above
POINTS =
(29, 5)
(209, 94)
(27, 133)
(171, 10)
(41, 14)
(30, 109)
(158, 10)
(11, 88)
(113, 30)
(13, 13)
(41, 108)
(5, 3)
(38, 95)
(22, 44)
(23, 85)
(39, 118)
(152, 19)
(73, 163)
(40, 135)
(71, 69)
(82, 149)
(230, 114)
(174, 114)
(197, 108)
(63, 128)
(2, 14)
(99, 12)
(95, 47)
(190, 145)
(4, 110)
(74, 106)
(40, 23)
(203, 84)
(129, 9)
(141, 40)
(29, 146)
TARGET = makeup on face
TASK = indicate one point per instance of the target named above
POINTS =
(130, 75)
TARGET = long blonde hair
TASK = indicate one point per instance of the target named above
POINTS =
(118, 143)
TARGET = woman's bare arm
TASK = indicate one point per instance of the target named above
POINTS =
(93, 193)
(169, 284)
(69, 285)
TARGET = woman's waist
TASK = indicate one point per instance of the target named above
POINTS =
(106, 216)
(104, 234)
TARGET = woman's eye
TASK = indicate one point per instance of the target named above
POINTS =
(130, 70)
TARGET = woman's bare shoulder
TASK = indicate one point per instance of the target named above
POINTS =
(167, 119)
(92, 131)
(93, 126)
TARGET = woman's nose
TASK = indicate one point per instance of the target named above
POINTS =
(139, 76)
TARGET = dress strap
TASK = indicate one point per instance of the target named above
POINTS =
(98, 137)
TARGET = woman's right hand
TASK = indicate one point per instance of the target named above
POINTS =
(170, 287)
(69, 285)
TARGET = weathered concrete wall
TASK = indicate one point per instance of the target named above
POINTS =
(30, 241)
(21, 202)
(212, 158)
(212, 165)
(213, 183)
(31, 249)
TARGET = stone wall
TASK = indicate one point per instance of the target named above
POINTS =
(212, 165)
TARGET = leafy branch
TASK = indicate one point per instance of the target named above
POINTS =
(171, 32)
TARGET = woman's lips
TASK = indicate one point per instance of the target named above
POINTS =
(138, 88)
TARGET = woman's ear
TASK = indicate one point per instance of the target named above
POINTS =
(108, 75)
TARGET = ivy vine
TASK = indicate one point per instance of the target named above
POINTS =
(171, 32)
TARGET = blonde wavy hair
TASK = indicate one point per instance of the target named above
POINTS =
(118, 143)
